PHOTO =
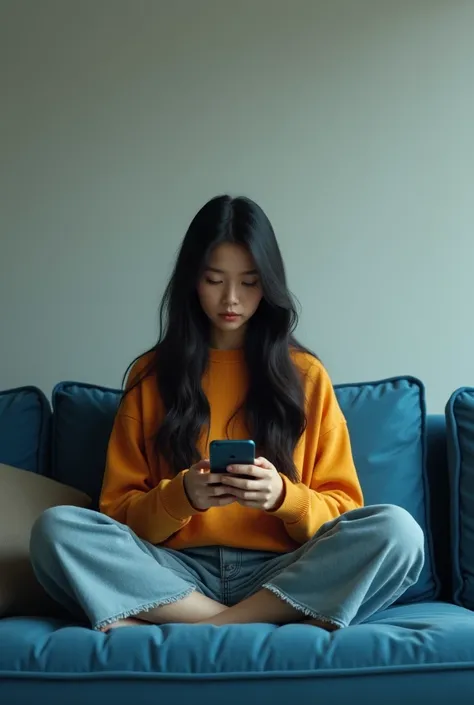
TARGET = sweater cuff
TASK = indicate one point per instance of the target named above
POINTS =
(175, 500)
(295, 505)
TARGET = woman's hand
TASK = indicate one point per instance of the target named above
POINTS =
(262, 488)
(204, 488)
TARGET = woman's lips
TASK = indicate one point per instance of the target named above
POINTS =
(230, 316)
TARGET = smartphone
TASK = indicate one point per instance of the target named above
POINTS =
(224, 453)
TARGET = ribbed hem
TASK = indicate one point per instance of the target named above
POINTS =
(303, 608)
(175, 500)
(144, 608)
(295, 505)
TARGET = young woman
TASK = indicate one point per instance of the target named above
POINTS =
(283, 540)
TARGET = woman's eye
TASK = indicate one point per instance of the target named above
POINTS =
(212, 281)
(250, 283)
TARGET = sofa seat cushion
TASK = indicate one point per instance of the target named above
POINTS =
(25, 416)
(407, 645)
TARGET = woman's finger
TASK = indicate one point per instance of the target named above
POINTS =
(203, 466)
(212, 478)
(217, 491)
(264, 463)
(242, 483)
(247, 495)
(250, 470)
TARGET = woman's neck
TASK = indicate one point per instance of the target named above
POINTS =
(227, 340)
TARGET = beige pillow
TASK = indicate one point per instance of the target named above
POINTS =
(23, 497)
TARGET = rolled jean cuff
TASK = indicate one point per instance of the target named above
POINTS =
(144, 608)
(307, 611)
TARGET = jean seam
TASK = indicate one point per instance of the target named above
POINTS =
(307, 611)
(231, 579)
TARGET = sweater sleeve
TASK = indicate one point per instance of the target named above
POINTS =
(130, 495)
(333, 487)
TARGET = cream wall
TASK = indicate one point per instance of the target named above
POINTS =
(350, 121)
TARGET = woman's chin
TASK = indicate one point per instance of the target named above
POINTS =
(222, 324)
(228, 335)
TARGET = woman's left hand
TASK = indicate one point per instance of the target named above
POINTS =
(260, 488)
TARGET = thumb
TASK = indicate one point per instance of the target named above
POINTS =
(202, 466)
(263, 463)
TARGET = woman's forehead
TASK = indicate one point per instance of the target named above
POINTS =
(231, 258)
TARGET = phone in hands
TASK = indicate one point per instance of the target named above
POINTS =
(225, 453)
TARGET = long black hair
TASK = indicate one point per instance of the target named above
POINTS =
(274, 405)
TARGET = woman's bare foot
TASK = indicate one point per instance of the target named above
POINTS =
(128, 622)
(189, 610)
(328, 626)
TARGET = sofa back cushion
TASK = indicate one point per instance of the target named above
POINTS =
(438, 480)
(386, 421)
(387, 425)
(25, 417)
(460, 437)
(83, 416)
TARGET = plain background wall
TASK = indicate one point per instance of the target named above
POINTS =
(350, 121)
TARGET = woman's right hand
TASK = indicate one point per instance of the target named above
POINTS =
(204, 489)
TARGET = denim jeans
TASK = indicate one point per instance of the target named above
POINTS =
(352, 567)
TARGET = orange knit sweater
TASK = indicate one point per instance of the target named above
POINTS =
(139, 490)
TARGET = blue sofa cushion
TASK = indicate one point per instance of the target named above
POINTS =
(83, 416)
(440, 508)
(387, 425)
(386, 421)
(25, 416)
(460, 430)
(408, 654)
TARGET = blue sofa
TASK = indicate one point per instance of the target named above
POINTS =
(421, 649)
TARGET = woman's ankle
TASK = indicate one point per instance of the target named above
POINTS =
(126, 622)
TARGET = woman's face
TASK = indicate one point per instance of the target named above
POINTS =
(230, 292)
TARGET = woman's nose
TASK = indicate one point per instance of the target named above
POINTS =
(231, 295)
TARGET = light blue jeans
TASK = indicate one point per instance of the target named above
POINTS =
(353, 567)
